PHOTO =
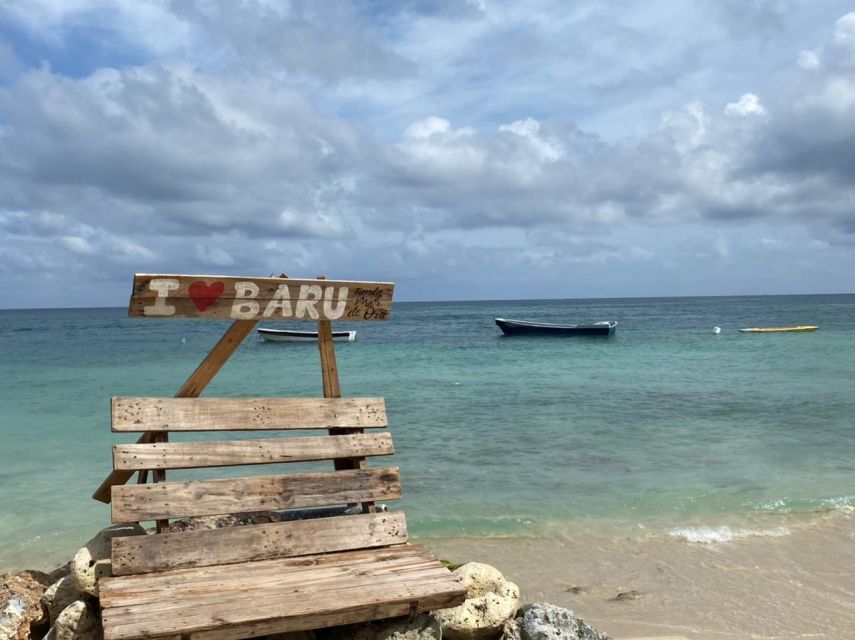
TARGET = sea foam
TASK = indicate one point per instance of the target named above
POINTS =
(710, 535)
(845, 504)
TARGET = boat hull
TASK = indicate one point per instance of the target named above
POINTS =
(287, 335)
(778, 329)
(524, 328)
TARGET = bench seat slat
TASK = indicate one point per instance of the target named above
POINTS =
(246, 414)
(141, 502)
(349, 616)
(213, 596)
(227, 453)
(167, 551)
(293, 610)
(242, 600)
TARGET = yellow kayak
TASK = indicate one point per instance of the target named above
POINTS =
(777, 329)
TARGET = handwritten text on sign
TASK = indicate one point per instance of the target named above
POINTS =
(259, 298)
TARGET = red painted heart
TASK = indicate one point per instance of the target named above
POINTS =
(204, 295)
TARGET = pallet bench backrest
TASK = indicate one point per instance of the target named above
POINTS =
(344, 421)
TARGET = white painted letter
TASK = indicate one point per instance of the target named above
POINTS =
(281, 300)
(245, 310)
(305, 303)
(163, 286)
(338, 312)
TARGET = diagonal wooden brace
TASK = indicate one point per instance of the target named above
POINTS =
(192, 388)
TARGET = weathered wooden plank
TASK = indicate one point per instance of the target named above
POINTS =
(192, 387)
(135, 503)
(195, 599)
(211, 605)
(289, 594)
(144, 554)
(362, 614)
(306, 609)
(245, 414)
(197, 588)
(195, 582)
(228, 453)
(179, 578)
(239, 298)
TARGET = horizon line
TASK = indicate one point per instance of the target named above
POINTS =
(739, 295)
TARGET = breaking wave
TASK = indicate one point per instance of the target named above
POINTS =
(710, 535)
(787, 505)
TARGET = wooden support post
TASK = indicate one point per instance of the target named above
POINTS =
(194, 386)
(329, 369)
(332, 389)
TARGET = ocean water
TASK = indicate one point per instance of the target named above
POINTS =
(663, 423)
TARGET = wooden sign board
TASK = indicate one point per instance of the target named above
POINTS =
(236, 298)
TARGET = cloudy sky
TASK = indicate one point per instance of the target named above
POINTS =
(464, 150)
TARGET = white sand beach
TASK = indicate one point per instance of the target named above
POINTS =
(785, 582)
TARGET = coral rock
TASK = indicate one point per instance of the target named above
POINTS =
(59, 595)
(93, 562)
(491, 600)
(76, 622)
(21, 610)
(544, 621)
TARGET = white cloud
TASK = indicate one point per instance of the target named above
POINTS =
(164, 147)
(810, 59)
(529, 129)
(747, 105)
(52, 222)
(426, 128)
(844, 31)
(440, 138)
(433, 146)
(126, 250)
(640, 253)
(836, 95)
(311, 223)
(688, 127)
(148, 23)
(76, 244)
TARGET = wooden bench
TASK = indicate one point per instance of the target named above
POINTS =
(286, 574)
(257, 579)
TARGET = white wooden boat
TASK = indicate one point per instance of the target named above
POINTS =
(292, 335)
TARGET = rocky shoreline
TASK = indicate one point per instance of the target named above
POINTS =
(63, 605)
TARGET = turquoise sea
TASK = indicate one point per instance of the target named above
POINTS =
(665, 422)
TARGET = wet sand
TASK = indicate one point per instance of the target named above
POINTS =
(792, 578)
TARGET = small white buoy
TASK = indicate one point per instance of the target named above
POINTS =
(184, 340)
(716, 330)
